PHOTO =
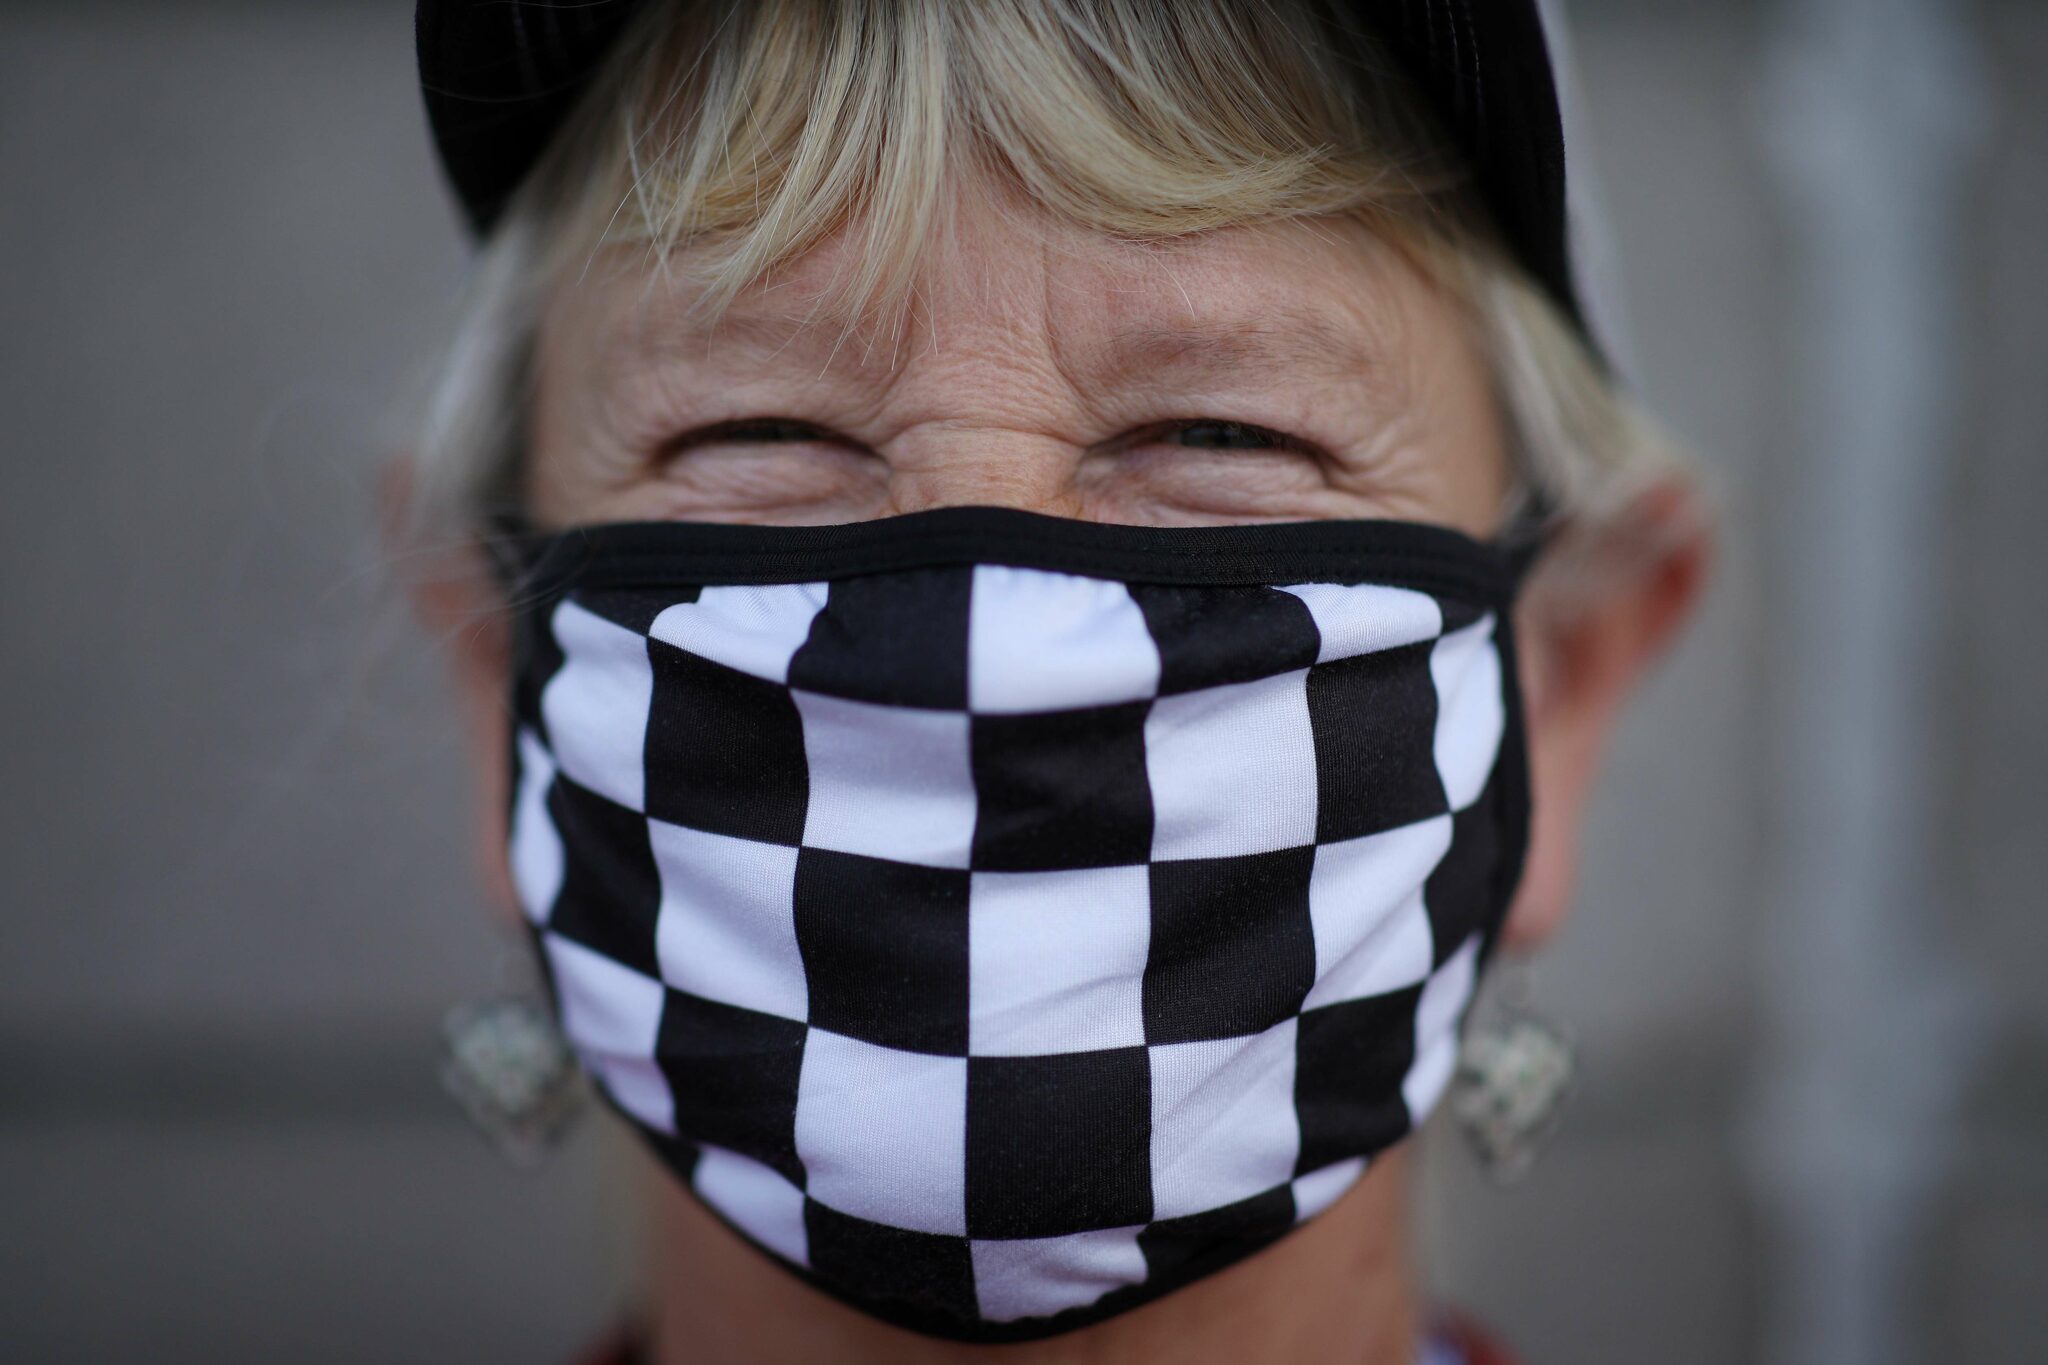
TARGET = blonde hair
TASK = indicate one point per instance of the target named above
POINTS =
(729, 137)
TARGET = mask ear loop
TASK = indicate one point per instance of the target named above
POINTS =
(507, 533)
(1515, 1068)
(1527, 534)
(504, 1059)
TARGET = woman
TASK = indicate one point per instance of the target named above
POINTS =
(1039, 552)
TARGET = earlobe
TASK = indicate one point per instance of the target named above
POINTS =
(1581, 661)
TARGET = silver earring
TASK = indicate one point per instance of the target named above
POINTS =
(508, 1066)
(1514, 1072)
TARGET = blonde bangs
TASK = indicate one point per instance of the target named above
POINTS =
(732, 138)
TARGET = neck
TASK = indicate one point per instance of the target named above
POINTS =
(1337, 1291)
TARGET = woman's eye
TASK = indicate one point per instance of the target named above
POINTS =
(1208, 435)
(759, 430)
(1197, 435)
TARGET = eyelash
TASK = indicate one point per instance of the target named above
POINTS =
(765, 430)
(1233, 436)
(1224, 435)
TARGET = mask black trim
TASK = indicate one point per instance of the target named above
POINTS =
(1433, 558)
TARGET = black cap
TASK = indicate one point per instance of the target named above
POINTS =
(499, 76)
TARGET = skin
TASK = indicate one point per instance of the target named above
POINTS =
(1278, 372)
(1044, 368)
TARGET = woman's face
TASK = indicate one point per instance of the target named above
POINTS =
(1287, 372)
(1276, 373)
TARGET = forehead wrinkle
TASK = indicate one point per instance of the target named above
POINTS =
(755, 340)
(1257, 350)
(780, 326)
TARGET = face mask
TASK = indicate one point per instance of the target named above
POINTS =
(1003, 920)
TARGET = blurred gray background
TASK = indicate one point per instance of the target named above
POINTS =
(1804, 975)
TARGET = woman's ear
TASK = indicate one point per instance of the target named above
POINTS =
(457, 602)
(1585, 649)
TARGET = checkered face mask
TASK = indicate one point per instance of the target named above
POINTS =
(1003, 920)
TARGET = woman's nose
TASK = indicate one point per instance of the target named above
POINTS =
(980, 466)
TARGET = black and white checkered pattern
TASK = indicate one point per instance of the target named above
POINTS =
(1001, 945)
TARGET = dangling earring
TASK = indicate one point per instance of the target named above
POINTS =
(511, 1071)
(1514, 1071)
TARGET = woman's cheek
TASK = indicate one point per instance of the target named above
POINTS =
(1172, 485)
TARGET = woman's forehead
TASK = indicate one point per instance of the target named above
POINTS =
(1270, 301)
